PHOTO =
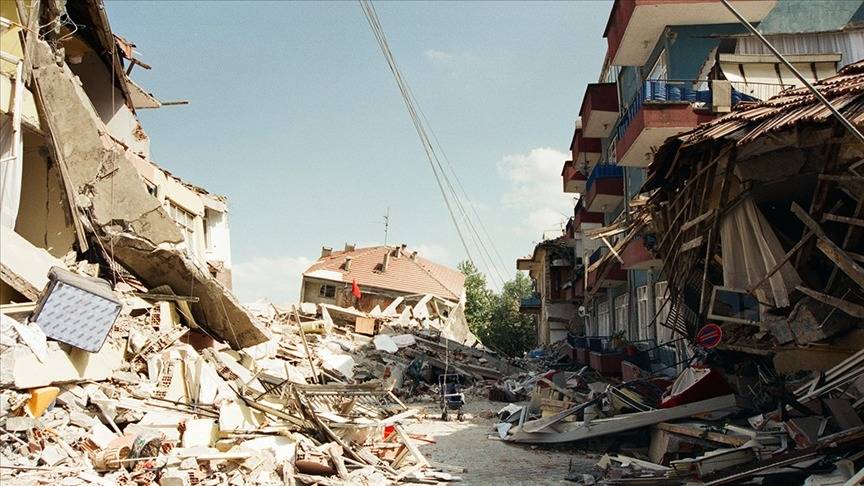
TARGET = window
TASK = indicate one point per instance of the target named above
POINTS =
(642, 311)
(186, 221)
(662, 306)
(660, 69)
(327, 291)
(603, 325)
(622, 312)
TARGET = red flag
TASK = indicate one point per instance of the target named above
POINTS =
(355, 289)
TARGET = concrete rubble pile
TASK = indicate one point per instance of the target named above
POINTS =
(159, 403)
(124, 356)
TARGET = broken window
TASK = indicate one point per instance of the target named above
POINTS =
(186, 220)
(660, 70)
(603, 325)
(327, 291)
(733, 305)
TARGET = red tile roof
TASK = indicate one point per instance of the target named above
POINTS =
(404, 274)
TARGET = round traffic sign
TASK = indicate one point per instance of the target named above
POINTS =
(709, 336)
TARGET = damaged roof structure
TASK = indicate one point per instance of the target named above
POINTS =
(388, 271)
(757, 216)
(71, 111)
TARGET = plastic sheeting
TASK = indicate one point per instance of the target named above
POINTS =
(750, 251)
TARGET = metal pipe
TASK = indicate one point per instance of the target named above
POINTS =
(797, 74)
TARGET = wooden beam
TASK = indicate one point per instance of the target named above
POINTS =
(854, 310)
(698, 219)
(842, 260)
(418, 456)
(692, 430)
(714, 231)
(829, 248)
(612, 249)
(841, 178)
(842, 219)
(575, 431)
(694, 243)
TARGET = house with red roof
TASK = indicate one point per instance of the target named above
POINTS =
(382, 274)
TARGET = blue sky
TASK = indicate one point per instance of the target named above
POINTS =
(295, 117)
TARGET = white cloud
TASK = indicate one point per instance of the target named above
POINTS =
(535, 188)
(546, 220)
(437, 56)
(277, 279)
(435, 253)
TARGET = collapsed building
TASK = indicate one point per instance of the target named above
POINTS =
(756, 218)
(78, 182)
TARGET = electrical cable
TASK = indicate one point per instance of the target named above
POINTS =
(452, 198)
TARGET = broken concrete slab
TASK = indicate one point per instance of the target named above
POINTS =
(23, 266)
(20, 368)
(217, 309)
(142, 233)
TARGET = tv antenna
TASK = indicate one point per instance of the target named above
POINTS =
(386, 225)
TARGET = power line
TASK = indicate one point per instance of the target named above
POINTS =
(421, 125)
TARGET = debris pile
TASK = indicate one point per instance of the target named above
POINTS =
(148, 403)
(698, 428)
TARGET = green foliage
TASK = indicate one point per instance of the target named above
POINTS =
(494, 317)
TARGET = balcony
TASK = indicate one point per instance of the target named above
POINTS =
(530, 305)
(574, 179)
(634, 26)
(637, 256)
(599, 110)
(660, 110)
(582, 216)
(615, 276)
(605, 188)
(586, 151)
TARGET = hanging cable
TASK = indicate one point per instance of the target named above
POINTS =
(452, 198)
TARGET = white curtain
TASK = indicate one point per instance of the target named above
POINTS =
(750, 251)
(850, 44)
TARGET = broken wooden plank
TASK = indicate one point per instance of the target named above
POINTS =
(842, 260)
(842, 219)
(698, 219)
(575, 431)
(418, 456)
(829, 248)
(335, 452)
(694, 243)
(850, 308)
(693, 430)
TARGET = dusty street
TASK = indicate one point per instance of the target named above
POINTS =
(489, 461)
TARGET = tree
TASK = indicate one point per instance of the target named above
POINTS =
(495, 318)
(478, 298)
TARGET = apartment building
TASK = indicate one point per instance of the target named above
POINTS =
(669, 67)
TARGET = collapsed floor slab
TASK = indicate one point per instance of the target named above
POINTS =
(108, 189)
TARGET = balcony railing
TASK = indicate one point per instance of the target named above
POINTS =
(670, 91)
(601, 172)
